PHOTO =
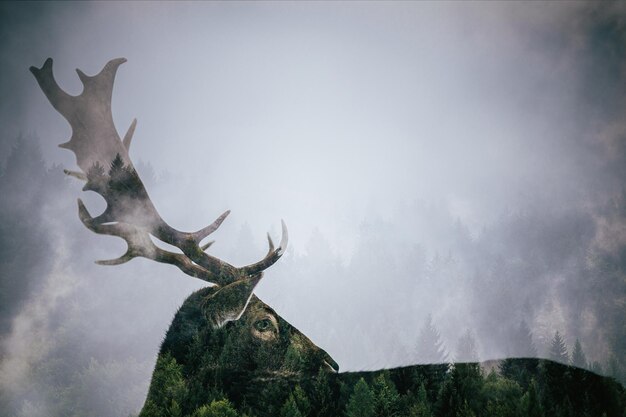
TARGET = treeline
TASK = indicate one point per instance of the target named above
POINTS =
(549, 267)
(512, 388)
(194, 377)
(83, 356)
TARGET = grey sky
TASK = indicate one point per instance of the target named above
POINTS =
(320, 111)
(347, 120)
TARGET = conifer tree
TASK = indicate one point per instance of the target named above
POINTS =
(421, 406)
(466, 411)
(217, 408)
(522, 345)
(117, 167)
(361, 402)
(466, 350)
(386, 397)
(531, 403)
(302, 401)
(290, 408)
(558, 349)
(578, 356)
(430, 348)
(323, 398)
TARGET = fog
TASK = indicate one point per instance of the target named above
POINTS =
(463, 162)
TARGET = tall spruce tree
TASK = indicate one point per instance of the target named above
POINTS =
(531, 403)
(466, 350)
(430, 347)
(421, 406)
(361, 402)
(386, 397)
(290, 408)
(578, 356)
(302, 401)
(323, 404)
(558, 349)
(522, 345)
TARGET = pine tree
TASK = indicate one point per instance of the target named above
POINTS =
(217, 408)
(302, 401)
(361, 402)
(465, 411)
(522, 345)
(430, 348)
(386, 397)
(466, 348)
(117, 167)
(421, 406)
(578, 356)
(531, 403)
(322, 394)
(558, 349)
(290, 408)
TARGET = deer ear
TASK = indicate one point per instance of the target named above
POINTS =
(230, 302)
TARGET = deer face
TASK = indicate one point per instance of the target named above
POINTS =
(268, 344)
(259, 344)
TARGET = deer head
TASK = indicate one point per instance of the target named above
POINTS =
(229, 316)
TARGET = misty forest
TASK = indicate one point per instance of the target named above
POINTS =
(453, 261)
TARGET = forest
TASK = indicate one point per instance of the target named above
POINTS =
(518, 387)
(67, 351)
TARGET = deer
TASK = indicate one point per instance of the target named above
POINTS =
(224, 340)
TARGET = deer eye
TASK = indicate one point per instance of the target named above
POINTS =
(263, 325)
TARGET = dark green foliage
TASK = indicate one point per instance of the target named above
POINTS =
(290, 408)
(463, 392)
(419, 406)
(123, 181)
(460, 393)
(519, 370)
(361, 403)
(323, 403)
(500, 396)
(217, 408)
(530, 403)
(386, 397)
(297, 405)
(167, 391)
(302, 401)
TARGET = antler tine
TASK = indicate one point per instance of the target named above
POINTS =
(59, 99)
(128, 137)
(140, 245)
(75, 174)
(106, 166)
(270, 243)
(202, 233)
(272, 256)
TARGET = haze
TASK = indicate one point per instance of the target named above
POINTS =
(412, 149)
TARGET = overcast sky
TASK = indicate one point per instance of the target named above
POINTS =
(321, 112)
(329, 115)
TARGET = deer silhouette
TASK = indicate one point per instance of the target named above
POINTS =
(234, 322)
(224, 341)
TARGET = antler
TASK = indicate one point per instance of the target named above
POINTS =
(107, 169)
